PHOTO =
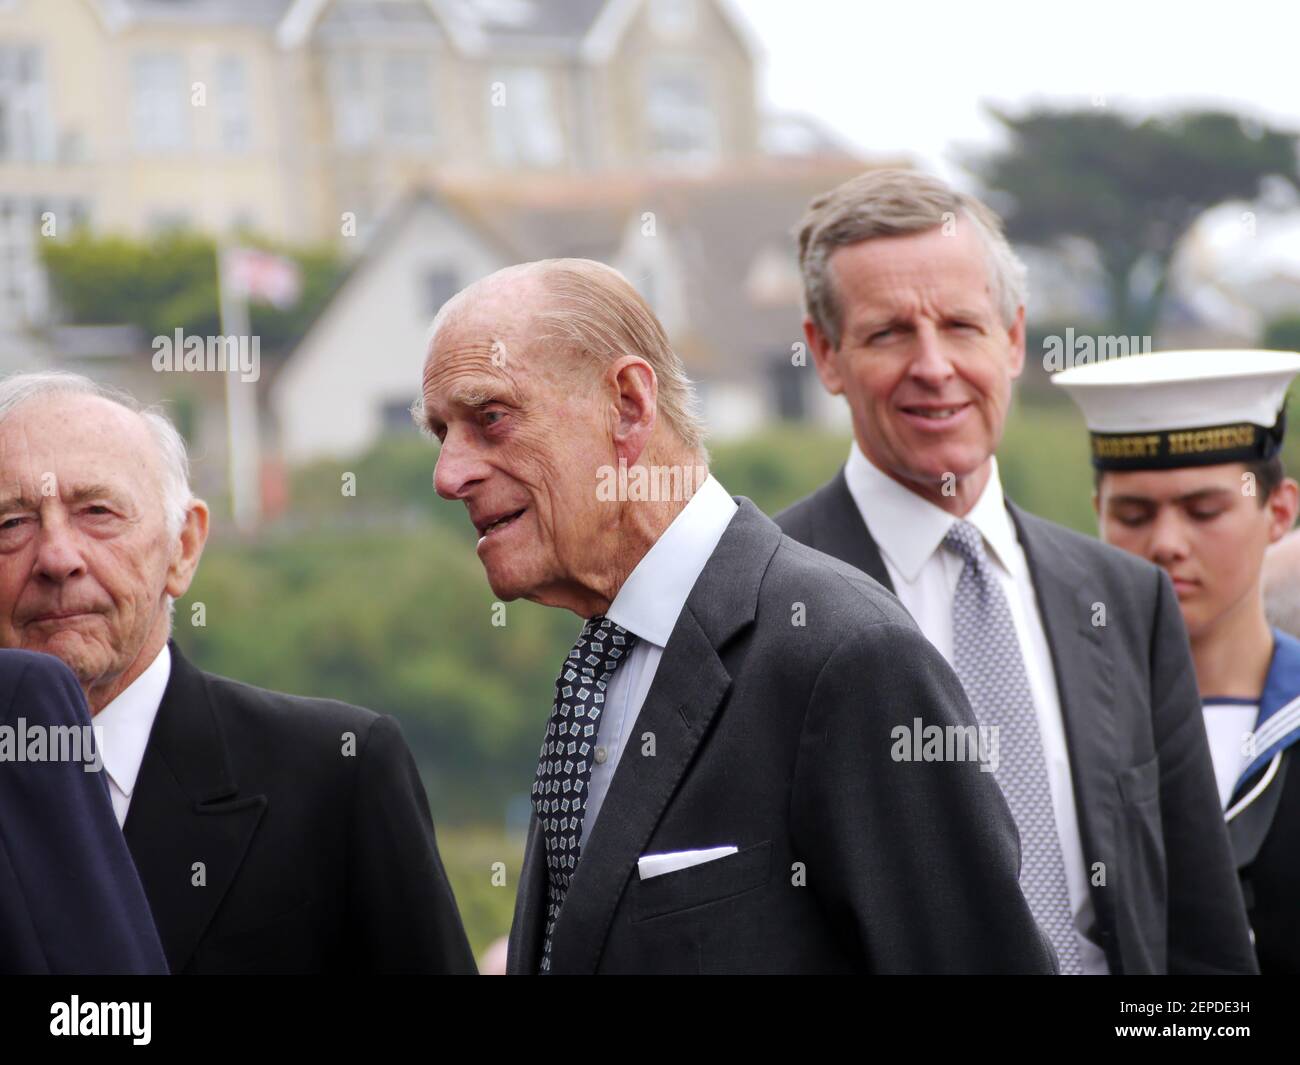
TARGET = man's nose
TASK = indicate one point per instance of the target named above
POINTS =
(1168, 538)
(930, 363)
(458, 468)
(58, 555)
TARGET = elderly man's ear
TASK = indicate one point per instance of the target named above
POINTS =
(186, 553)
(635, 389)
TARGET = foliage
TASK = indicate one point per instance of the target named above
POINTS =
(170, 283)
(1131, 188)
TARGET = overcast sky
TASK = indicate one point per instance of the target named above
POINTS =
(911, 77)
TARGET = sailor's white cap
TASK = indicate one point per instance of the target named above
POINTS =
(1169, 409)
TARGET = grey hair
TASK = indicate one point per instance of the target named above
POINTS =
(597, 313)
(20, 388)
(892, 202)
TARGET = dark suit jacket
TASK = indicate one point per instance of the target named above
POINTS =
(775, 737)
(70, 900)
(1143, 781)
(313, 861)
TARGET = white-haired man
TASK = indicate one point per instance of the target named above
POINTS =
(1075, 652)
(721, 786)
(265, 841)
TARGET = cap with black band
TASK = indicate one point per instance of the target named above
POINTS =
(1173, 409)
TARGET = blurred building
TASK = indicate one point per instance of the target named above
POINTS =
(432, 142)
(309, 119)
(713, 255)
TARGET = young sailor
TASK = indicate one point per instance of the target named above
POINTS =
(1185, 445)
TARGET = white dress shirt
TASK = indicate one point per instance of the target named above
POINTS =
(648, 605)
(909, 531)
(1227, 724)
(127, 722)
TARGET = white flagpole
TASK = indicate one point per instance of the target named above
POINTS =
(244, 453)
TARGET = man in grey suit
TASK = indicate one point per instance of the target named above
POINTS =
(1074, 651)
(726, 782)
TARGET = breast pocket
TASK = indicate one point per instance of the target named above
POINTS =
(699, 885)
(1140, 782)
(1140, 874)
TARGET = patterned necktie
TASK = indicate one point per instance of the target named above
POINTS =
(988, 659)
(564, 768)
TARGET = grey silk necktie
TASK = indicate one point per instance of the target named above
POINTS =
(988, 658)
(564, 769)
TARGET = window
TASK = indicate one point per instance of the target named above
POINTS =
(395, 417)
(23, 295)
(160, 103)
(407, 98)
(440, 284)
(384, 97)
(234, 121)
(353, 118)
(679, 115)
(25, 128)
(524, 127)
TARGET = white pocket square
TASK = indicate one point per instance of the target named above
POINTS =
(649, 865)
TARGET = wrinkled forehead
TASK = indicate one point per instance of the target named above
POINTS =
(896, 269)
(492, 338)
(77, 440)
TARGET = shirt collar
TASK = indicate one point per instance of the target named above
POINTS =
(651, 599)
(128, 720)
(909, 529)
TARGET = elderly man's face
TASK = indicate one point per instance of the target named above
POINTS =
(84, 551)
(522, 440)
(925, 362)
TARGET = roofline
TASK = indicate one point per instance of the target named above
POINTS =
(609, 26)
(300, 19)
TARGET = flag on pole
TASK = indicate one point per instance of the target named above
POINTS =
(263, 276)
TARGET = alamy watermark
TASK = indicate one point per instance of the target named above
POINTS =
(22, 742)
(180, 353)
(920, 742)
(1063, 352)
(648, 484)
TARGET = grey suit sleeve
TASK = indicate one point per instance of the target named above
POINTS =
(1208, 930)
(918, 861)
(401, 910)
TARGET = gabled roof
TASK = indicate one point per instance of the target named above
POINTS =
(119, 14)
(584, 30)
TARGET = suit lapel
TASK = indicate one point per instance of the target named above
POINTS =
(840, 532)
(186, 809)
(689, 687)
(1083, 683)
(1255, 804)
(524, 949)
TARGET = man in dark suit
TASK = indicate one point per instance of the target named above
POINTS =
(727, 780)
(1075, 651)
(70, 899)
(273, 834)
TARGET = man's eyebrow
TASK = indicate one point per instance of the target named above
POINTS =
(1149, 501)
(478, 394)
(22, 499)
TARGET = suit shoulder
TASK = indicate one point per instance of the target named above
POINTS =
(1096, 556)
(798, 518)
(801, 574)
(14, 663)
(300, 713)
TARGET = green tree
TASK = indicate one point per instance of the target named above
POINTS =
(1132, 188)
(1283, 334)
(170, 283)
